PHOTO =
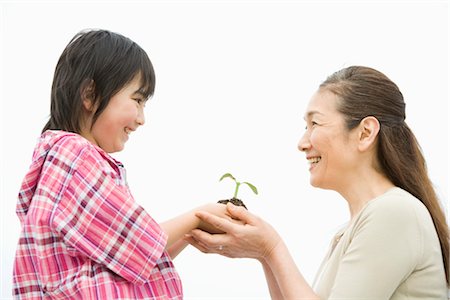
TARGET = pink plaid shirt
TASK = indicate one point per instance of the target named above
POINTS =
(83, 235)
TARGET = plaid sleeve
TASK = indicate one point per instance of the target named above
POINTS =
(100, 219)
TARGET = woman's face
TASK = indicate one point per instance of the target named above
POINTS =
(329, 147)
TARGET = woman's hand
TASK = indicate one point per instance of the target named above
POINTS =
(215, 209)
(251, 238)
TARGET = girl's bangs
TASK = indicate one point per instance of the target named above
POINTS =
(147, 77)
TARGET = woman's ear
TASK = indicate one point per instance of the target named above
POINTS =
(88, 95)
(369, 128)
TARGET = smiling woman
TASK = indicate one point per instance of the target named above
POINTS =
(396, 243)
(326, 142)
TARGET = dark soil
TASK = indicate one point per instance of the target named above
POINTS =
(235, 201)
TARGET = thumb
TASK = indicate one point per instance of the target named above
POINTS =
(240, 213)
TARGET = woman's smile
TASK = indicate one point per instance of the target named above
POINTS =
(313, 161)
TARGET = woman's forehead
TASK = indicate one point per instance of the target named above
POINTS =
(322, 102)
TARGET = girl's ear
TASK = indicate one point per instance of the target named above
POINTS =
(368, 132)
(88, 95)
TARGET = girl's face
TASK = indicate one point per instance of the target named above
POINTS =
(329, 147)
(123, 115)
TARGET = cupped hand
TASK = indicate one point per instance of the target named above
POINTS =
(251, 238)
(215, 209)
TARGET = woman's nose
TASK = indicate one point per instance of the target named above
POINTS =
(303, 143)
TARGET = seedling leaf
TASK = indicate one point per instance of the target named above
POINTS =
(227, 175)
(252, 187)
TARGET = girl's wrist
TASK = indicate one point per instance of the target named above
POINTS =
(197, 221)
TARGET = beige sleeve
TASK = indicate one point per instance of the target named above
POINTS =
(385, 247)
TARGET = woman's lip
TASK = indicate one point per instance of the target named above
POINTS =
(313, 161)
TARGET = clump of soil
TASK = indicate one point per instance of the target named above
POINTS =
(235, 201)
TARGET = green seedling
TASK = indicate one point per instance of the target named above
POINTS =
(238, 184)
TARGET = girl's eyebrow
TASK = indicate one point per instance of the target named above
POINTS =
(139, 92)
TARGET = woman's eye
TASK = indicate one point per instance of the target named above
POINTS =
(310, 125)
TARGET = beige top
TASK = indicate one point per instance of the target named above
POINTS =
(389, 251)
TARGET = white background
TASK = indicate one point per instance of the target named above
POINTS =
(233, 80)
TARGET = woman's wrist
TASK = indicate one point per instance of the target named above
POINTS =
(272, 249)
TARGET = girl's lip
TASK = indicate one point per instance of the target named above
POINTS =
(129, 130)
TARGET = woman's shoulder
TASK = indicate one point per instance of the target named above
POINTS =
(397, 205)
(395, 199)
(396, 215)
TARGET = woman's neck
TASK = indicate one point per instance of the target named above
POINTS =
(363, 188)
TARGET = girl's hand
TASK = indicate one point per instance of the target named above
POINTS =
(252, 238)
(215, 209)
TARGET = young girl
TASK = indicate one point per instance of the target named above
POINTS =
(83, 235)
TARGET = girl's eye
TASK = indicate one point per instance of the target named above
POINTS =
(139, 100)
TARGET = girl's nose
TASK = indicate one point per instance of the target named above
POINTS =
(140, 117)
(303, 143)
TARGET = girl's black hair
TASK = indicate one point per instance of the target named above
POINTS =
(101, 61)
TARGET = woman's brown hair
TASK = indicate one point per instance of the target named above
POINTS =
(363, 92)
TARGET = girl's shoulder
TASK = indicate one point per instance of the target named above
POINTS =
(71, 147)
(59, 139)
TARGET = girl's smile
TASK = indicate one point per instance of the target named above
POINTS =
(122, 116)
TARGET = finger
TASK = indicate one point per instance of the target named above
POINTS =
(202, 246)
(240, 213)
(192, 241)
(207, 240)
(221, 250)
(222, 224)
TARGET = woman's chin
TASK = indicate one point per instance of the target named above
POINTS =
(315, 183)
